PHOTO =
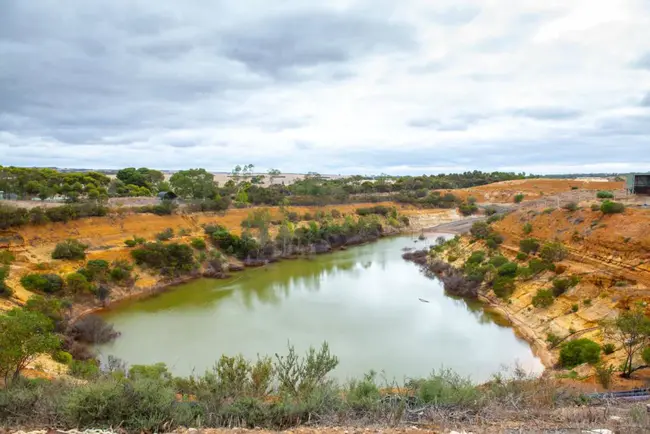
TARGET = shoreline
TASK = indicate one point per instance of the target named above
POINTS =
(520, 328)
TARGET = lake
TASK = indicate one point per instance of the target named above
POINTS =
(364, 301)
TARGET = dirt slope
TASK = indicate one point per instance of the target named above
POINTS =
(504, 192)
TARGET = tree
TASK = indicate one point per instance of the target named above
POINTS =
(632, 330)
(23, 335)
(273, 175)
(193, 183)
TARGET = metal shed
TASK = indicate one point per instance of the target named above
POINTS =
(638, 183)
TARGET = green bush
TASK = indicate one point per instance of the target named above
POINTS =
(95, 270)
(494, 218)
(561, 285)
(468, 209)
(521, 256)
(553, 252)
(498, 261)
(62, 357)
(140, 405)
(76, 283)
(378, 209)
(503, 286)
(508, 269)
(543, 299)
(609, 348)
(480, 230)
(574, 308)
(579, 351)
(48, 283)
(165, 235)
(605, 195)
(198, 243)
(170, 259)
(446, 388)
(476, 257)
(70, 249)
(527, 228)
(519, 198)
(364, 394)
(135, 241)
(609, 207)
(537, 266)
(529, 245)
(120, 271)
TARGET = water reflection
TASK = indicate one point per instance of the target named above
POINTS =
(363, 301)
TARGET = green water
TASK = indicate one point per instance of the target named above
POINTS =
(363, 301)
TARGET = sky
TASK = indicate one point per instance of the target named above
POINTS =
(336, 87)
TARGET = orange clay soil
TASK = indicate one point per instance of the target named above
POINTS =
(105, 236)
(504, 192)
(609, 253)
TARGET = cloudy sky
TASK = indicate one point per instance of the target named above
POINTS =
(336, 86)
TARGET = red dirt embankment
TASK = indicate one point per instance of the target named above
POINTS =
(504, 192)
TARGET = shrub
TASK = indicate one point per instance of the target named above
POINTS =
(120, 271)
(521, 256)
(587, 302)
(604, 375)
(494, 218)
(70, 249)
(508, 269)
(543, 298)
(446, 388)
(198, 243)
(553, 252)
(605, 195)
(170, 258)
(570, 206)
(6, 257)
(480, 230)
(529, 245)
(85, 369)
(48, 283)
(553, 339)
(335, 213)
(95, 270)
(135, 241)
(62, 357)
(165, 235)
(574, 308)
(307, 217)
(498, 261)
(561, 285)
(579, 351)
(548, 211)
(494, 240)
(609, 207)
(467, 209)
(92, 329)
(76, 283)
(378, 209)
(527, 228)
(476, 257)
(519, 198)
(503, 286)
(538, 266)
(609, 348)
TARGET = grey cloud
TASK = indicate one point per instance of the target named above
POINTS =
(624, 126)
(645, 102)
(456, 15)
(547, 113)
(275, 45)
(643, 62)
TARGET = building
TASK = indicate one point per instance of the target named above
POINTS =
(638, 183)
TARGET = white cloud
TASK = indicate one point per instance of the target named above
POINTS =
(355, 86)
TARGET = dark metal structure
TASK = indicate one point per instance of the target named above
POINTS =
(638, 183)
